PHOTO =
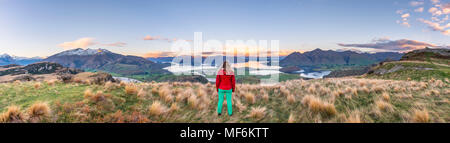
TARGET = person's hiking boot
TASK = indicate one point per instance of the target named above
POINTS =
(218, 114)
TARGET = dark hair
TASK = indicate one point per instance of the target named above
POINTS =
(224, 66)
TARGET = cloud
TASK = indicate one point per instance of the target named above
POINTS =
(404, 21)
(436, 18)
(437, 26)
(420, 9)
(158, 54)
(80, 43)
(446, 8)
(148, 37)
(416, 3)
(435, 11)
(406, 15)
(435, 1)
(87, 42)
(401, 45)
(116, 44)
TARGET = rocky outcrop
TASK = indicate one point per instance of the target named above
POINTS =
(37, 68)
(24, 78)
(101, 78)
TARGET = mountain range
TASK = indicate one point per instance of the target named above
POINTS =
(208, 60)
(104, 60)
(320, 57)
(6, 59)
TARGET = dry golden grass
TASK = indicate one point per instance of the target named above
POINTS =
(351, 91)
(193, 101)
(354, 118)
(142, 93)
(420, 116)
(239, 105)
(377, 89)
(13, 115)
(88, 93)
(131, 89)
(39, 111)
(168, 98)
(122, 83)
(17, 82)
(434, 92)
(284, 91)
(165, 94)
(110, 85)
(51, 82)
(364, 89)
(201, 91)
(291, 118)
(385, 96)
(174, 107)
(318, 106)
(156, 109)
(384, 106)
(291, 99)
(155, 91)
(98, 97)
(322, 101)
(257, 113)
(249, 97)
(37, 85)
(265, 97)
(312, 89)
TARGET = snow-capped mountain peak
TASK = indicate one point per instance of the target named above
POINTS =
(83, 52)
(5, 56)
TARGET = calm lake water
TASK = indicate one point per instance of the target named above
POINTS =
(205, 70)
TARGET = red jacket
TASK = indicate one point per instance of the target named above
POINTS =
(224, 81)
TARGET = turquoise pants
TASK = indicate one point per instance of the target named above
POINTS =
(220, 103)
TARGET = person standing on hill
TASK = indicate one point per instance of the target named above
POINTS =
(225, 85)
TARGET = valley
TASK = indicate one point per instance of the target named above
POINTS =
(414, 89)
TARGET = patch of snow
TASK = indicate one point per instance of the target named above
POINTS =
(5, 56)
(83, 52)
(26, 58)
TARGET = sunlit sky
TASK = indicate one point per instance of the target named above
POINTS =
(45, 27)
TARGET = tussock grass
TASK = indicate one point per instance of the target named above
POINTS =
(318, 106)
(291, 118)
(352, 100)
(249, 97)
(37, 85)
(131, 89)
(257, 113)
(156, 109)
(13, 115)
(420, 116)
(384, 106)
(38, 112)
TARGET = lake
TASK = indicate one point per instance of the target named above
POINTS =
(264, 69)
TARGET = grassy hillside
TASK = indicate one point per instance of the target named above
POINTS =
(411, 70)
(325, 100)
